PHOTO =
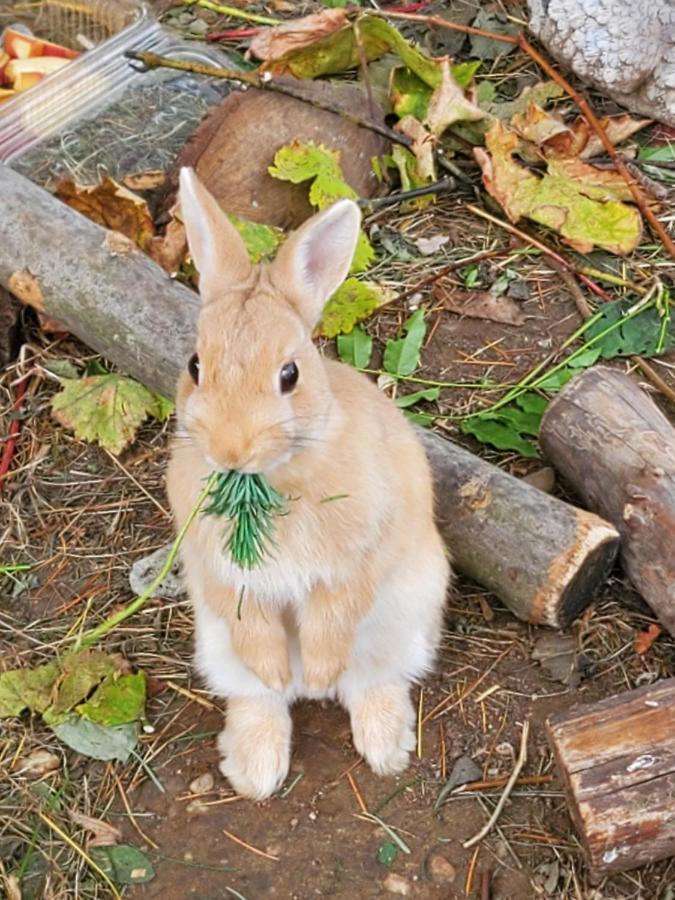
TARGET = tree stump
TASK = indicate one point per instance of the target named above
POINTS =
(615, 447)
(543, 558)
(617, 760)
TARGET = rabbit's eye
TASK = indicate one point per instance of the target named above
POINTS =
(288, 377)
(193, 368)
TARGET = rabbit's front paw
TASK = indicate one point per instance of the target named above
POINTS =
(256, 746)
(321, 673)
(382, 728)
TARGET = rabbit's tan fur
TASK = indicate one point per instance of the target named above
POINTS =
(349, 603)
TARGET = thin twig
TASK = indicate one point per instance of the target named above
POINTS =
(441, 273)
(566, 276)
(263, 82)
(369, 205)
(440, 22)
(520, 762)
(233, 12)
(247, 846)
(597, 127)
(485, 880)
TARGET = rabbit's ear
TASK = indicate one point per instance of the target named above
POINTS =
(217, 250)
(315, 260)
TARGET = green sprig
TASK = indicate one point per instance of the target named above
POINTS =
(250, 503)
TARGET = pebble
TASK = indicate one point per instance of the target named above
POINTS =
(394, 884)
(37, 764)
(441, 871)
(202, 783)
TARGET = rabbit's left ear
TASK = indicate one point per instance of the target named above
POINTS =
(315, 259)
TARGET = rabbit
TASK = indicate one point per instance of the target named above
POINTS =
(348, 604)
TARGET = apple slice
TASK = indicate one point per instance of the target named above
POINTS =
(25, 73)
(50, 49)
(4, 59)
(6, 94)
(22, 46)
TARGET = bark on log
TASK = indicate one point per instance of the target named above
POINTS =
(543, 558)
(95, 282)
(615, 447)
(617, 760)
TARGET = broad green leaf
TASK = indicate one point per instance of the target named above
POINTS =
(97, 741)
(353, 301)
(410, 94)
(410, 177)
(123, 864)
(117, 700)
(80, 674)
(107, 409)
(402, 356)
(162, 409)
(646, 334)
(557, 200)
(298, 162)
(500, 432)
(355, 348)
(448, 104)
(261, 241)
(406, 400)
(27, 689)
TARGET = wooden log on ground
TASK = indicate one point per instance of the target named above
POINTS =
(615, 447)
(617, 760)
(542, 557)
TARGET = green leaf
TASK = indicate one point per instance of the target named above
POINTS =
(410, 95)
(162, 408)
(27, 689)
(500, 432)
(97, 741)
(261, 241)
(353, 301)
(123, 864)
(107, 409)
(355, 348)
(402, 356)
(406, 400)
(117, 700)
(80, 674)
(387, 853)
(646, 334)
(298, 162)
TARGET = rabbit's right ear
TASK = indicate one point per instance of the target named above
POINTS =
(216, 247)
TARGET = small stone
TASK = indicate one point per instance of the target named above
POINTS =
(202, 784)
(394, 884)
(196, 807)
(37, 764)
(441, 871)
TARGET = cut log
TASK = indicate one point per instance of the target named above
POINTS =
(542, 557)
(616, 449)
(617, 760)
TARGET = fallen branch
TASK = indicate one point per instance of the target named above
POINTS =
(510, 784)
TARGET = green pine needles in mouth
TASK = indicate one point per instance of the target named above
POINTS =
(250, 503)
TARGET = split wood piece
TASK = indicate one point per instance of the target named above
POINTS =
(235, 144)
(95, 282)
(617, 760)
(542, 557)
(614, 446)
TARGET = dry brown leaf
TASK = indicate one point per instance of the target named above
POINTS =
(168, 250)
(104, 834)
(645, 639)
(273, 43)
(537, 125)
(580, 139)
(145, 181)
(37, 764)
(480, 305)
(111, 205)
(448, 104)
(423, 145)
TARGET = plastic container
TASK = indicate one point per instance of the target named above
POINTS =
(93, 81)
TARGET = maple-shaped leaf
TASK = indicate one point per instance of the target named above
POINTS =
(448, 104)
(538, 125)
(113, 206)
(106, 409)
(561, 202)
